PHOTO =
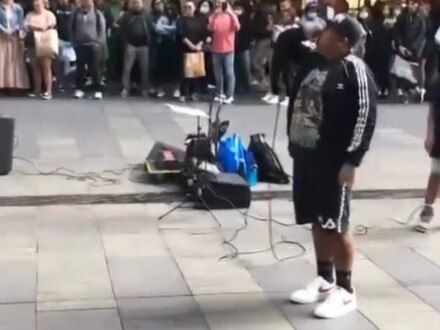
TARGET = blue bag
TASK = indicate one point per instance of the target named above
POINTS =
(235, 158)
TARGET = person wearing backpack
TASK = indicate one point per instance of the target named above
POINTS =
(88, 32)
(134, 29)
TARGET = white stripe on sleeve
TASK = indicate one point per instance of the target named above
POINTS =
(364, 102)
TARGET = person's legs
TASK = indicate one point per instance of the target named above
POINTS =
(143, 60)
(81, 60)
(230, 74)
(46, 66)
(431, 193)
(246, 65)
(37, 76)
(129, 59)
(217, 62)
(95, 66)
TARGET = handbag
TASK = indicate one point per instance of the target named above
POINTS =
(404, 69)
(194, 65)
(46, 43)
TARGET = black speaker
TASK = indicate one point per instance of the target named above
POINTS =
(223, 191)
(6, 144)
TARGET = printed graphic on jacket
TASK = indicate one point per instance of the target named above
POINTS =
(307, 110)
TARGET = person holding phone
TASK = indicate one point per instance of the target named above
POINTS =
(223, 25)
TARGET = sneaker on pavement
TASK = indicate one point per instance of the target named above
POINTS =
(176, 94)
(273, 100)
(399, 92)
(125, 93)
(267, 97)
(97, 96)
(228, 100)
(220, 98)
(46, 96)
(160, 94)
(285, 102)
(318, 290)
(426, 217)
(79, 94)
(182, 99)
(339, 303)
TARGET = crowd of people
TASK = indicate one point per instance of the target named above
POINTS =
(183, 48)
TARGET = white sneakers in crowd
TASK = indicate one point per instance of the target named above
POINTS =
(79, 94)
(335, 301)
(275, 99)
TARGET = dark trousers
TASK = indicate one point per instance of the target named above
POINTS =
(189, 86)
(92, 57)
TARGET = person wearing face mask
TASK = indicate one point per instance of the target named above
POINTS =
(410, 39)
(311, 22)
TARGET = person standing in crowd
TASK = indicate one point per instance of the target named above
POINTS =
(410, 39)
(331, 120)
(204, 11)
(192, 32)
(134, 29)
(243, 41)
(263, 22)
(224, 24)
(432, 147)
(166, 67)
(13, 73)
(311, 22)
(64, 12)
(286, 21)
(40, 20)
(380, 52)
(88, 33)
(430, 53)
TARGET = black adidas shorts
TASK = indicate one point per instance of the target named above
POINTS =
(317, 195)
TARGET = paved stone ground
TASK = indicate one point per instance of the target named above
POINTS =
(93, 136)
(117, 267)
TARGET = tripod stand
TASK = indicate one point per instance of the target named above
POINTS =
(197, 152)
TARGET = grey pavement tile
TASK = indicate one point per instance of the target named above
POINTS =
(405, 265)
(146, 277)
(17, 317)
(75, 320)
(161, 313)
(301, 317)
(18, 281)
(283, 277)
(430, 294)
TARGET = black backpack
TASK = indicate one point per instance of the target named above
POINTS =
(269, 166)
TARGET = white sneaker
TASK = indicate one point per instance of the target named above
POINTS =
(399, 92)
(160, 94)
(97, 96)
(176, 94)
(318, 290)
(339, 303)
(79, 94)
(267, 97)
(285, 103)
(274, 100)
(426, 217)
(125, 93)
(220, 98)
(254, 82)
(228, 100)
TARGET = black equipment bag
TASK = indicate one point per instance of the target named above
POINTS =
(269, 166)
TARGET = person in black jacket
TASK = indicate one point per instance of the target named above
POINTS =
(332, 116)
(243, 40)
(135, 31)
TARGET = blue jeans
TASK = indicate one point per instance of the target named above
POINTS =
(224, 67)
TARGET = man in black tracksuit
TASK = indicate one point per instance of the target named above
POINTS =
(332, 116)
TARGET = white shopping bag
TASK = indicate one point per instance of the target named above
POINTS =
(404, 69)
(68, 53)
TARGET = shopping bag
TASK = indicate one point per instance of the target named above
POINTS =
(404, 69)
(46, 43)
(235, 158)
(194, 65)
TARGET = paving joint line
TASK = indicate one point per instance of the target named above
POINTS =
(169, 197)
